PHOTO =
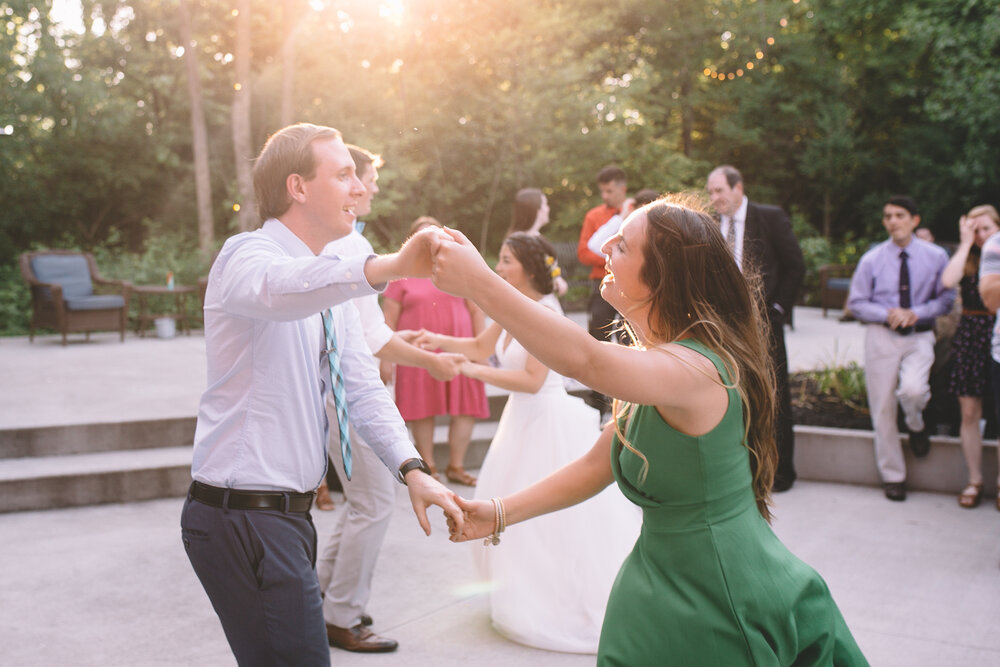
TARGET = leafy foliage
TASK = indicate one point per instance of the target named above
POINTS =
(827, 108)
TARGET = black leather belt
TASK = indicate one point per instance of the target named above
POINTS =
(906, 331)
(239, 499)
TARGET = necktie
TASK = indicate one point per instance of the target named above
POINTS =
(904, 290)
(904, 281)
(731, 235)
(337, 386)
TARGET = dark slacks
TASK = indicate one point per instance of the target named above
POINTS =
(784, 433)
(600, 314)
(258, 568)
(995, 376)
(600, 324)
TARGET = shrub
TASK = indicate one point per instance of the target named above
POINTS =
(15, 301)
(844, 383)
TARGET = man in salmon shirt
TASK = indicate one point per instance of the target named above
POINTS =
(600, 314)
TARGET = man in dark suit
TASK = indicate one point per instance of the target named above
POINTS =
(761, 236)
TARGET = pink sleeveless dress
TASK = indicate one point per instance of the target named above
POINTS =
(418, 395)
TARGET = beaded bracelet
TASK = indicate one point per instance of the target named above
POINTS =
(499, 522)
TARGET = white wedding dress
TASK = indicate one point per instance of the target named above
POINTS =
(550, 576)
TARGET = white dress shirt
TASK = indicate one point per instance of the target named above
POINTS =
(603, 233)
(377, 332)
(740, 219)
(261, 421)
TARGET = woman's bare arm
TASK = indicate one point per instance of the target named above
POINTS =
(571, 484)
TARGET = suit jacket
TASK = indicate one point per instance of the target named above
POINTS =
(770, 245)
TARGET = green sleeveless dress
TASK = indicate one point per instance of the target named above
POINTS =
(708, 583)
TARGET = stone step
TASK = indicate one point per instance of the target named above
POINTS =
(822, 454)
(482, 435)
(97, 437)
(47, 482)
(69, 480)
(848, 457)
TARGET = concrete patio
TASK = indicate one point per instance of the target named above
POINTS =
(918, 582)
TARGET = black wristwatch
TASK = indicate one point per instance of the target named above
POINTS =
(411, 464)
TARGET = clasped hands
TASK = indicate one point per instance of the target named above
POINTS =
(431, 341)
(444, 255)
(468, 519)
(901, 317)
(453, 263)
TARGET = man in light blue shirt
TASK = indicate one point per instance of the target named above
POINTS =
(260, 445)
(897, 292)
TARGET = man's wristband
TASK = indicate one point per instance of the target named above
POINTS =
(411, 464)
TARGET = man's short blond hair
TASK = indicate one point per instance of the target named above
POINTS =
(288, 151)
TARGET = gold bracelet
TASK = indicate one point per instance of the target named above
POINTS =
(499, 523)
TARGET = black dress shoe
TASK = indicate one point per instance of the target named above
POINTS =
(895, 490)
(920, 443)
(359, 639)
(782, 484)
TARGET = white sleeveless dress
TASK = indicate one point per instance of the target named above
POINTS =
(550, 577)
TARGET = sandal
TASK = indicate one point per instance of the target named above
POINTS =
(971, 496)
(460, 476)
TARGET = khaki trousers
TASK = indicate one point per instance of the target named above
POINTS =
(897, 370)
(346, 561)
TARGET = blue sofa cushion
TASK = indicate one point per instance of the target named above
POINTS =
(70, 271)
(95, 302)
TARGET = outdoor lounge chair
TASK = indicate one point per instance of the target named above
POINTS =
(63, 298)
(834, 285)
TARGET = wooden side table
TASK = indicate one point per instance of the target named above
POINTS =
(146, 318)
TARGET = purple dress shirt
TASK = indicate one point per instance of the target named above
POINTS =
(875, 284)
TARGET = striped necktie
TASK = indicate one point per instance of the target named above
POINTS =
(337, 386)
(731, 235)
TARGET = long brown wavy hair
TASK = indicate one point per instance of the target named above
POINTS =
(697, 291)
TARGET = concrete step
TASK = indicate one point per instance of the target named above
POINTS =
(69, 480)
(482, 435)
(848, 457)
(97, 463)
(47, 482)
(97, 437)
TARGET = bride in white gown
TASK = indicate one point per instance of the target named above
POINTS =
(550, 580)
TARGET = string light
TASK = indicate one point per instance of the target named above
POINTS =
(759, 53)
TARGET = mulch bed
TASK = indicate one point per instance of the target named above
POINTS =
(811, 408)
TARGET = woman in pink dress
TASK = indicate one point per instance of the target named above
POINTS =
(414, 303)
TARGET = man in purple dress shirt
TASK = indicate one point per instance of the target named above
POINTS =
(896, 291)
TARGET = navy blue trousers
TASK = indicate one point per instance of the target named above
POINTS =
(258, 568)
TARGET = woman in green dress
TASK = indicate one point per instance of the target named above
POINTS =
(708, 582)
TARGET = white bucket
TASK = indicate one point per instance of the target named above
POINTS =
(166, 327)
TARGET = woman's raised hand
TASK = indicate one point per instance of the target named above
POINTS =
(480, 520)
(966, 231)
(457, 265)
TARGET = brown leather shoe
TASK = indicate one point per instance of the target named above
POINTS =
(359, 639)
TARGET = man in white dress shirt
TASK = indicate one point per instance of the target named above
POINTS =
(347, 561)
(260, 446)
(762, 240)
